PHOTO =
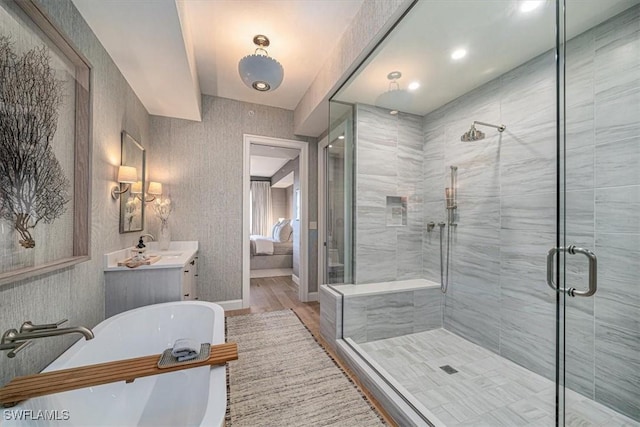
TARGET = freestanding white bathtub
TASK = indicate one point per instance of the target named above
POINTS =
(190, 397)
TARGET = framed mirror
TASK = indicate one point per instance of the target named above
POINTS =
(131, 200)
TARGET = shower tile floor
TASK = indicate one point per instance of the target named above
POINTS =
(488, 390)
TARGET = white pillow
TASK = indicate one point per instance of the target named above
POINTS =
(275, 229)
(284, 232)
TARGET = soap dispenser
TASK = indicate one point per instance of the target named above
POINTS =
(137, 251)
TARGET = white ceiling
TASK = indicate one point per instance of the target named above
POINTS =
(266, 166)
(267, 160)
(145, 39)
(284, 182)
(170, 50)
(302, 33)
(496, 34)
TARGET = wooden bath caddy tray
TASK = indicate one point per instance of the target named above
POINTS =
(129, 262)
(23, 388)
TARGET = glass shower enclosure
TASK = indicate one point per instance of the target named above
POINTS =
(509, 295)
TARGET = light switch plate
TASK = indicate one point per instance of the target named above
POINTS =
(313, 225)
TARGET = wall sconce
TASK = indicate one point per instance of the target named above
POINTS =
(136, 188)
(155, 189)
(126, 175)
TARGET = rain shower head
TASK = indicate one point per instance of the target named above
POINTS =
(475, 135)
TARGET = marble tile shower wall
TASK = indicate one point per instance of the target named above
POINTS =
(388, 163)
(498, 297)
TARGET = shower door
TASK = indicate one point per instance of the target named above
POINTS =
(598, 247)
(338, 159)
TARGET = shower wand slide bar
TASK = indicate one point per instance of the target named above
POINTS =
(593, 271)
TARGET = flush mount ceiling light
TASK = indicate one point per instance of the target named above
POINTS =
(259, 70)
(394, 98)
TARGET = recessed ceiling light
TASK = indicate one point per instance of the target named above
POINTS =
(330, 145)
(529, 5)
(458, 54)
(341, 137)
(393, 112)
(261, 86)
(413, 85)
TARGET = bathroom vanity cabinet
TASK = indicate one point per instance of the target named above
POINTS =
(173, 278)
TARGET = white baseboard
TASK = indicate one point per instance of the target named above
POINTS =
(312, 296)
(295, 279)
(234, 304)
(271, 272)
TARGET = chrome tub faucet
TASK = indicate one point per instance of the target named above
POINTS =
(15, 341)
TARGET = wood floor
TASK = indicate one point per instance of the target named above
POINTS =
(279, 293)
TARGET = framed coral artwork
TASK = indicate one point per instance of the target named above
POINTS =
(45, 149)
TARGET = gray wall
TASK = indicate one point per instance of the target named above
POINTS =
(278, 203)
(289, 201)
(77, 293)
(507, 202)
(292, 166)
(388, 163)
(202, 164)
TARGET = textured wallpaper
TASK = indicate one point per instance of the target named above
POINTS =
(292, 166)
(279, 203)
(201, 164)
(77, 293)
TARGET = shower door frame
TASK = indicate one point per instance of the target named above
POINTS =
(322, 206)
(560, 209)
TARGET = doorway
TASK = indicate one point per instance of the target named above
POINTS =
(301, 217)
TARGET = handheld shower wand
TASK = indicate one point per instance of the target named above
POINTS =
(450, 195)
(451, 202)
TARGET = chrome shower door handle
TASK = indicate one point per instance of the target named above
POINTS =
(593, 271)
(550, 268)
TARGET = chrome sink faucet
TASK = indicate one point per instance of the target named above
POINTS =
(150, 236)
(16, 341)
(141, 241)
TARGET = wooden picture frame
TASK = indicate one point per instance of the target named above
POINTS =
(36, 23)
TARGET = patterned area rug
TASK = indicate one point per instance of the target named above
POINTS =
(283, 377)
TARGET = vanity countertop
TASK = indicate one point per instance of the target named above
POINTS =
(178, 254)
